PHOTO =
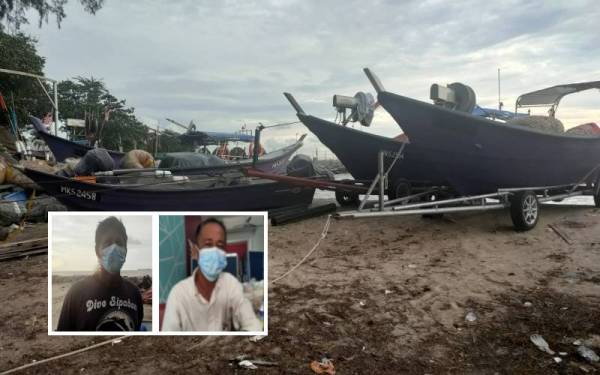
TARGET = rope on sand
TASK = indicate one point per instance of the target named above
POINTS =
(323, 235)
(64, 355)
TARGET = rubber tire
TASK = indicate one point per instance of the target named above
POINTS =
(597, 194)
(398, 189)
(346, 199)
(518, 201)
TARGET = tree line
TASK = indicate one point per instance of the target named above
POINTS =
(109, 122)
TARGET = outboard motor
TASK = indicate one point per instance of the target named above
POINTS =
(301, 166)
(362, 105)
(455, 96)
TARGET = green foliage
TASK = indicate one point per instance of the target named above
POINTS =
(12, 12)
(18, 52)
(108, 120)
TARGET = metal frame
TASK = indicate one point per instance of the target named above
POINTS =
(465, 203)
(480, 202)
(39, 78)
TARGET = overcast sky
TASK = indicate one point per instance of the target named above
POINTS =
(225, 63)
(73, 242)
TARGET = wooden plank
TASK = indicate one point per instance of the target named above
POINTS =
(21, 254)
(27, 244)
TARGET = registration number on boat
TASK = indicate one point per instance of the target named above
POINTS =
(83, 194)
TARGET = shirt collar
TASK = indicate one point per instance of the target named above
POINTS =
(195, 292)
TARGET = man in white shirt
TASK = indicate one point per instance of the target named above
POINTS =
(209, 300)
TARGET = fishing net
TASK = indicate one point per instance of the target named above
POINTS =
(542, 123)
(137, 159)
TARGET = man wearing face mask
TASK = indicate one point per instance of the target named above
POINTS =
(209, 300)
(104, 301)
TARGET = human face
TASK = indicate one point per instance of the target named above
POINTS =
(211, 235)
(109, 238)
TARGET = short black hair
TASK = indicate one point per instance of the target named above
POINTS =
(110, 224)
(208, 221)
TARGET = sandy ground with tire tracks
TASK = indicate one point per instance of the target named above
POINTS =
(383, 296)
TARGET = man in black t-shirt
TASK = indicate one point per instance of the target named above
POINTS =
(104, 301)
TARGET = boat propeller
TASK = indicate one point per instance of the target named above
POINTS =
(362, 105)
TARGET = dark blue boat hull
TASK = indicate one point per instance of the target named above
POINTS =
(101, 197)
(63, 149)
(477, 155)
(358, 151)
(275, 162)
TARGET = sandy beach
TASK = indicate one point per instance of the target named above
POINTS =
(383, 296)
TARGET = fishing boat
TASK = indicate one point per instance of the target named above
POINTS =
(165, 192)
(358, 151)
(477, 155)
(272, 162)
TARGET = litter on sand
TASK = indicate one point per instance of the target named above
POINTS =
(325, 366)
(247, 364)
(588, 354)
(542, 345)
(471, 317)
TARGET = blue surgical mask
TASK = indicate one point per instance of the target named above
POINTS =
(211, 261)
(112, 258)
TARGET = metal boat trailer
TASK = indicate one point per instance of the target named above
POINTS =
(523, 203)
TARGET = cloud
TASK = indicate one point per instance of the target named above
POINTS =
(226, 63)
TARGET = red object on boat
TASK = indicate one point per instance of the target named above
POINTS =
(590, 128)
(305, 182)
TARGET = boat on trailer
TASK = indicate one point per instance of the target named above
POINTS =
(359, 151)
(272, 162)
(493, 165)
(477, 155)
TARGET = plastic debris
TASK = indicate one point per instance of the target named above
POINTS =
(413, 266)
(323, 367)
(257, 338)
(471, 317)
(542, 345)
(528, 304)
(562, 353)
(577, 342)
(557, 359)
(387, 291)
(247, 364)
(362, 303)
(588, 354)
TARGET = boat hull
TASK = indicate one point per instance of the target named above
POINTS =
(358, 152)
(274, 162)
(79, 195)
(480, 156)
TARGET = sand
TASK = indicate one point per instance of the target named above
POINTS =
(383, 296)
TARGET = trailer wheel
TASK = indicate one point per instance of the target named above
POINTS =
(597, 193)
(398, 189)
(524, 210)
(346, 198)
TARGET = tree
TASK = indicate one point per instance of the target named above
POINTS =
(12, 12)
(19, 53)
(108, 120)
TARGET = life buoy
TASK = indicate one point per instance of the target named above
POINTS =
(261, 150)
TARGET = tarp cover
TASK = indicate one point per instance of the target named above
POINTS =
(95, 160)
(189, 160)
(554, 94)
